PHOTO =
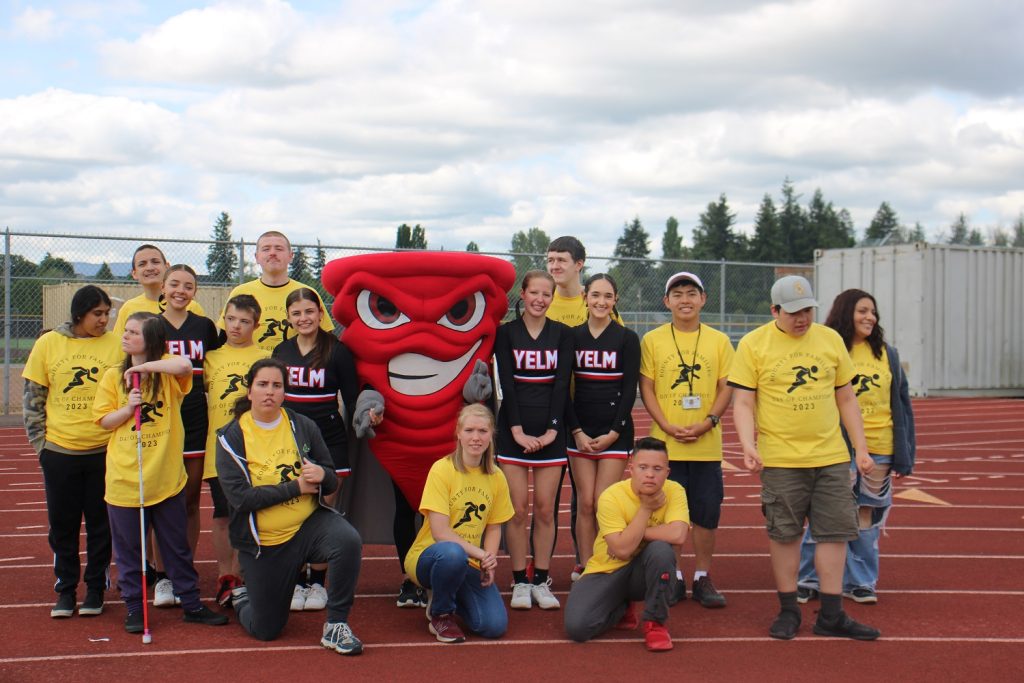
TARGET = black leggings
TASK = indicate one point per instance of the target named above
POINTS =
(404, 526)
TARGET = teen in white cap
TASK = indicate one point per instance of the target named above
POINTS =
(684, 366)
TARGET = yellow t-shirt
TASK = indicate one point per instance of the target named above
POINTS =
(873, 385)
(163, 440)
(671, 370)
(617, 506)
(71, 368)
(796, 380)
(224, 372)
(572, 310)
(472, 500)
(274, 459)
(274, 327)
(141, 303)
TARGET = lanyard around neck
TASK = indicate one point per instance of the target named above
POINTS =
(689, 375)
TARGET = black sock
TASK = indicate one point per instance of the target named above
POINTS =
(788, 603)
(300, 579)
(519, 576)
(160, 576)
(317, 576)
(831, 606)
(539, 576)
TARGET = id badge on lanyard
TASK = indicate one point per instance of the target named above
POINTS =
(691, 402)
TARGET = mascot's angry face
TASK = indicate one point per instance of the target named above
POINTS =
(416, 323)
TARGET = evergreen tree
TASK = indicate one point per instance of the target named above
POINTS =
(1018, 232)
(714, 238)
(222, 257)
(104, 274)
(529, 250)
(419, 237)
(959, 230)
(885, 226)
(999, 237)
(55, 267)
(975, 238)
(671, 241)
(299, 268)
(636, 278)
(798, 243)
(403, 237)
(916, 233)
(319, 261)
(473, 246)
(767, 245)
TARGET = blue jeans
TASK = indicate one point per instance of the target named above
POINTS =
(861, 570)
(443, 568)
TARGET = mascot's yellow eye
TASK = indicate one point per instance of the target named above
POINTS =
(377, 312)
(465, 314)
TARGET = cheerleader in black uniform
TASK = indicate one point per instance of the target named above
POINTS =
(192, 336)
(320, 367)
(606, 368)
(534, 357)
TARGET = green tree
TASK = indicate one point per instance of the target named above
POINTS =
(767, 245)
(56, 268)
(916, 233)
(104, 274)
(1018, 232)
(529, 250)
(827, 228)
(714, 238)
(411, 238)
(975, 238)
(26, 288)
(999, 237)
(473, 246)
(672, 242)
(885, 226)
(222, 256)
(959, 230)
(319, 261)
(299, 268)
(799, 243)
(633, 270)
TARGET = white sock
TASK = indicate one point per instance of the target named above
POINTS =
(697, 574)
(679, 574)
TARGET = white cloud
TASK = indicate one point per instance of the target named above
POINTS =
(35, 24)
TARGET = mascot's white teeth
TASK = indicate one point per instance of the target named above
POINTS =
(414, 374)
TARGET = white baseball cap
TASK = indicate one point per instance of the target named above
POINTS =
(683, 277)
(793, 293)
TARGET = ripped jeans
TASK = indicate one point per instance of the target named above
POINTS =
(861, 569)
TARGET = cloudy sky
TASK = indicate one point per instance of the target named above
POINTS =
(340, 120)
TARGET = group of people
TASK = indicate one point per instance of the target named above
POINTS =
(250, 404)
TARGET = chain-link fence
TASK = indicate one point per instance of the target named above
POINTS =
(42, 271)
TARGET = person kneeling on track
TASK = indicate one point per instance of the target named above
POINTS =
(275, 471)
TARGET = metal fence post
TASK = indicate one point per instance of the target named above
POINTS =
(721, 288)
(241, 261)
(7, 320)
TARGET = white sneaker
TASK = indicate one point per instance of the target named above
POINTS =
(541, 594)
(299, 598)
(163, 593)
(520, 596)
(316, 598)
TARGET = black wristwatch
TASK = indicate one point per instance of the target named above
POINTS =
(714, 420)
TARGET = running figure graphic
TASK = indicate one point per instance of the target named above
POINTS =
(802, 375)
(81, 374)
(685, 373)
(472, 510)
(864, 383)
(235, 382)
(272, 327)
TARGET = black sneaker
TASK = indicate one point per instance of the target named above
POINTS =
(845, 627)
(411, 595)
(205, 615)
(65, 605)
(803, 595)
(679, 594)
(706, 594)
(785, 625)
(133, 622)
(92, 606)
(864, 596)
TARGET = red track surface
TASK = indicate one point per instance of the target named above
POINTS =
(950, 597)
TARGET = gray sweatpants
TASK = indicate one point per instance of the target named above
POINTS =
(597, 601)
(325, 536)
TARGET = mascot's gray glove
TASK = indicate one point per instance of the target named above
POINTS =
(478, 386)
(368, 400)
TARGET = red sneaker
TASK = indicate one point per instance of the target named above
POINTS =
(629, 620)
(443, 626)
(657, 637)
(226, 584)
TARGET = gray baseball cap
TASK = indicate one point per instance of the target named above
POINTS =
(793, 293)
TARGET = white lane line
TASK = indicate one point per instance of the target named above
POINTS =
(35, 526)
(16, 559)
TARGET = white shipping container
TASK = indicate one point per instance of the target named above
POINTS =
(955, 313)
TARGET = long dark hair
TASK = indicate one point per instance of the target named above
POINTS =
(615, 289)
(840, 319)
(325, 341)
(243, 404)
(154, 338)
(86, 299)
(530, 275)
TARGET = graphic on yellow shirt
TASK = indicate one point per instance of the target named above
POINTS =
(616, 508)
(672, 366)
(163, 440)
(472, 500)
(224, 372)
(143, 304)
(274, 459)
(796, 380)
(274, 327)
(872, 385)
